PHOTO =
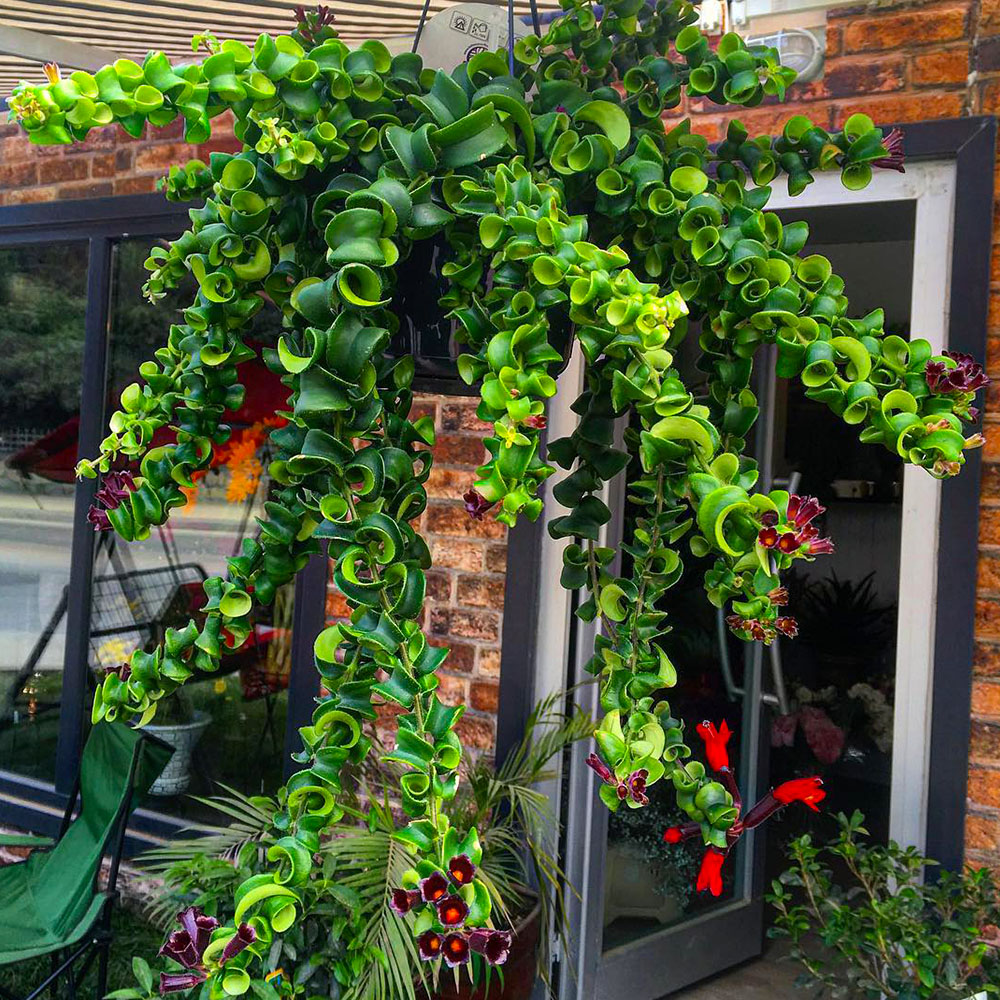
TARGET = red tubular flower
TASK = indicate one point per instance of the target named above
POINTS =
(673, 835)
(187, 945)
(434, 887)
(452, 911)
(461, 869)
(456, 950)
(98, 518)
(715, 744)
(802, 510)
(768, 537)
(710, 873)
(476, 505)
(820, 547)
(806, 790)
(403, 900)
(538, 423)
(769, 518)
(789, 543)
(429, 945)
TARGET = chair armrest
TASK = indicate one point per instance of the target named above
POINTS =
(25, 840)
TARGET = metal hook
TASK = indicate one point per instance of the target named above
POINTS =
(420, 26)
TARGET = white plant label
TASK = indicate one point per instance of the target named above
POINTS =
(455, 35)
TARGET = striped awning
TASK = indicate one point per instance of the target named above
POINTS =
(132, 27)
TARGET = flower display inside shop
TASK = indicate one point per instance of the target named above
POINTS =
(550, 175)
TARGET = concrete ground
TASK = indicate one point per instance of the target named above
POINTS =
(766, 978)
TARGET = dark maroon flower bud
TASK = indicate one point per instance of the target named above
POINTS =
(181, 949)
(455, 950)
(461, 869)
(115, 487)
(494, 946)
(199, 927)
(539, 422)
(601, 769)
(893, 143)
(244, 937)
(98, 518)
(429, 945)
(476, 505)
(434, 887)
(452, 911)
(769, 518)
(175, 982)
(778, 596)
(820, 547)
(403, 900)
(966, 376)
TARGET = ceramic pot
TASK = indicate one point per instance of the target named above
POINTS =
(183, 737)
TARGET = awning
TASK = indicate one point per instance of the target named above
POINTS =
(132, 27)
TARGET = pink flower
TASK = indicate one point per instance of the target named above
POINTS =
(476, 505)
(824, 736)
(783, 730)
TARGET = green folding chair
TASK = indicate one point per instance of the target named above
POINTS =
(51, 904)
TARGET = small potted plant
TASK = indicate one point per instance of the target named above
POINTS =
(864, 922)
(181, 725)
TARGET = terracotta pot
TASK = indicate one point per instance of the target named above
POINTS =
(519, 972)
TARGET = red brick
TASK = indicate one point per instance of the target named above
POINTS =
(988, 577)
(14, 175)
(898, 30)
(453, 690)
(489, 663)
(986, 54)
(476, 731)
(982, 832)
(56, 171)
(940, 66)
(912, 107)
(834, 39)
(102, 165)
(162, 156)
(97, 138)
(457, 555)
(124, 159)
(459, 449)
(485, 696)
(467, 624)
(989, 15)
(336, 604)
(985, 741)
(984, 786)
(496, 558)
(461, 656)
(987, 618)
(29, 196)
(135, 185)
(219, 143)
(462, 417)
(448, 484)
(986, 698)
(986, 659)
(481, 592)
(989, 527)
(95, 189)
(452, 519)
(855, 75)
(438, 585)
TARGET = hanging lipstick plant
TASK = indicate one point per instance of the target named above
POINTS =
(549, 172)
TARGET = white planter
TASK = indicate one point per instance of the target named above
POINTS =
(183, 737)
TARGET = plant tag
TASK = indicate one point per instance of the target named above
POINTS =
(455, 35)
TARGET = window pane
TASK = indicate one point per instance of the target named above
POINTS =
(43, 299)
(228, 727)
